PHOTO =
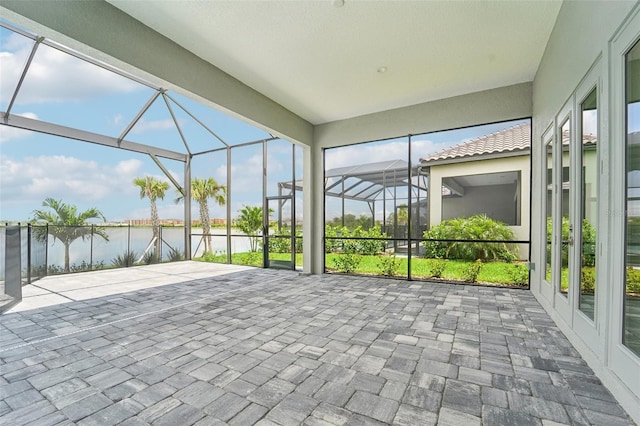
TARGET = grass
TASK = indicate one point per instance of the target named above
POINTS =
(247, 258)
(491, 273)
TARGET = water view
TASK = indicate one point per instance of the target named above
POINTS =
(98, 252)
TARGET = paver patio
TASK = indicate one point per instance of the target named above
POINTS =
(278, 347)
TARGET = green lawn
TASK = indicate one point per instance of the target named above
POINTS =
(248, 258)
(492, 273)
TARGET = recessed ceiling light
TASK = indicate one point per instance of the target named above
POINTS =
(338, 3)
(382, 70)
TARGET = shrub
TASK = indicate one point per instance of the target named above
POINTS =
(437, 267)
(55, 270)
(331, 245)
(124, 260)
(588, 242)
(477, 227)
(370, 247)
(38, 271)
(175, 255)
(633, 280)
(283, 245)
(342, 239)
(252, 258)
(388, 265)
(217, 257)
(471, 271)
(84, 267)
(588, 280)
(519, 274)
(149, 258)
(347, 262)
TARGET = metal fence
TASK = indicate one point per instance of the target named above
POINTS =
(22, 260)
(29, 252)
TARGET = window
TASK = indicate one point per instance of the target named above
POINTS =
(631, 332)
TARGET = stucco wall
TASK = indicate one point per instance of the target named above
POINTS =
(519, 163)
(501, 104)
(496, 201)
(583, 34)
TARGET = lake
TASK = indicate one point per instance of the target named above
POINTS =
(122, 239)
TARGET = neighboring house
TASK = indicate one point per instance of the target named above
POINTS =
(491, 175)
(486, 175)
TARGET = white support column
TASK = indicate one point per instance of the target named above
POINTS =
(313, 219)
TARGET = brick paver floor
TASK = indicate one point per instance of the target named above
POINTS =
(277, 347)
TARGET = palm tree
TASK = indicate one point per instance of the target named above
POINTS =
(152, 189)
(201, 190)
(66, 224)
(250, 222)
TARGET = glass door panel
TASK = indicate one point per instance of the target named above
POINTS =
(588, 208)
(566, 230)
(631, 332)
(279, 229)
(548, 165)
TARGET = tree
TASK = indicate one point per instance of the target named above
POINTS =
(352, 222)
(403, 216)
(67, 225)
(250, 222)
(152, 189)
(201, 191)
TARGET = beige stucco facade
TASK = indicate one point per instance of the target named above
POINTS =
(478, 167)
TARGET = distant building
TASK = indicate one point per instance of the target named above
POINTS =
(172, 222)
(487, 175)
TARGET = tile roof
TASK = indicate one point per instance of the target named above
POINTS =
(516, 138)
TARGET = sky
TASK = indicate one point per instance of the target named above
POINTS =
(65, 90)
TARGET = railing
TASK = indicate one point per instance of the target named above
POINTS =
(22, 261)
(29, 252)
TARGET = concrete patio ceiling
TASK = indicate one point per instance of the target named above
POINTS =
(332, 60)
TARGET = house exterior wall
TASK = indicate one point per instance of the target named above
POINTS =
(584, 46)
(496, 201)
(478, 167)
(590, 184)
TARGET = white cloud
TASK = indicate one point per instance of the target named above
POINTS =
(17, 42)
(30, 180)
(590, 122)
(128, 167)
(8, 133)
(54, 76)
(116, 120)
(246, 176)
(145, 126)
(377, 152)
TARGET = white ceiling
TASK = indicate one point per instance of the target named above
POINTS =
(321, 61)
